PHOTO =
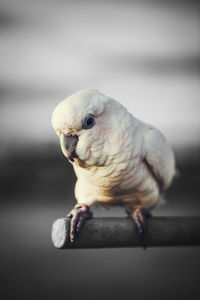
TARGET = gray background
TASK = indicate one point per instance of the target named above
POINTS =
(144, 54)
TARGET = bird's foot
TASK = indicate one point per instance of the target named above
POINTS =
(139, 215)
(79, 214)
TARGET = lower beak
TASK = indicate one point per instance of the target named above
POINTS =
(68, 145)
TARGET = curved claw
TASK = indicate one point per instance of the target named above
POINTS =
(139, 217)
(79, 214)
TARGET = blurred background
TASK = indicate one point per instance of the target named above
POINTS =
(146, 54)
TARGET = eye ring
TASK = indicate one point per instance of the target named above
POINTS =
(88, 122)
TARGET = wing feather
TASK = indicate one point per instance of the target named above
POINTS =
(159, 157)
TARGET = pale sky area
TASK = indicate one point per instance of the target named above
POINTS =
(144, 54)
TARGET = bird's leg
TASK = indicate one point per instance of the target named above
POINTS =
(79, 214)
(139, 216)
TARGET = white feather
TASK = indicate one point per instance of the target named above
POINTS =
(121, 159)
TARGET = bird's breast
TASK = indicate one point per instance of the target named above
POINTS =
(124, 181)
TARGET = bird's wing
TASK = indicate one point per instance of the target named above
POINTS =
(159, 157)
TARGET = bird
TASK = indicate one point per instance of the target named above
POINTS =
(117, 158)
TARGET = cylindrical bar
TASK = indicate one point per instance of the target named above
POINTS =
(122, 232)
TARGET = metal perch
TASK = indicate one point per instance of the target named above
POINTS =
(122, 232)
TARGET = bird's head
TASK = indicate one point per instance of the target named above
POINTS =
(88, 124)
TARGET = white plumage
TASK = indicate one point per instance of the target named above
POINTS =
(120, 160)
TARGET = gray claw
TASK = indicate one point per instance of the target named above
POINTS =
(79, 214)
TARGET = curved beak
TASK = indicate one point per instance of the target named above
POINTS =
(68, 145)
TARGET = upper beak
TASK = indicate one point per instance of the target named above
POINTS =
(68, 145)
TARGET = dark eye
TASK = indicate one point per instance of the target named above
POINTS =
(88, 121)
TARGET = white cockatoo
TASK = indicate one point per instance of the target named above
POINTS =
(118, 160)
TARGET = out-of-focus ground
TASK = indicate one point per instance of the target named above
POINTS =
(144, 54)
